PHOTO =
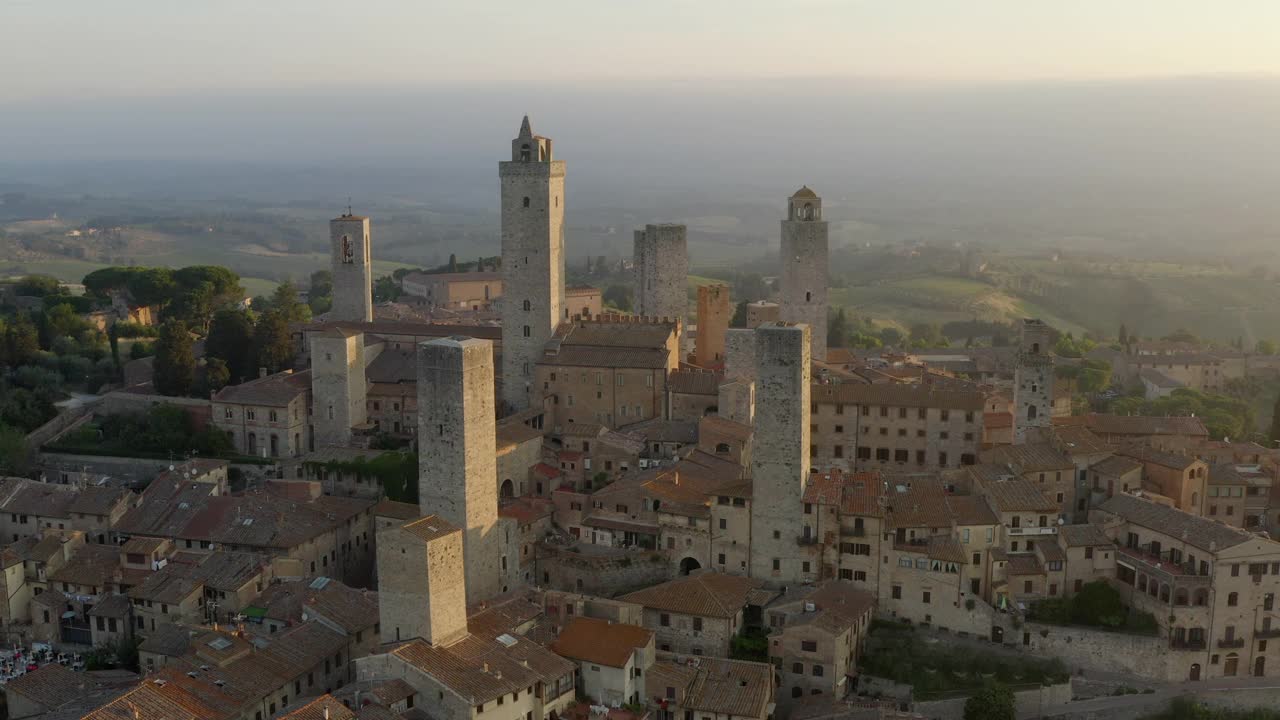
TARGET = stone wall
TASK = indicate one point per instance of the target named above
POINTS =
(1095, 650)
(1030, 703)
(121, 402)
(662, 272)
(802, 294)
(606, 574)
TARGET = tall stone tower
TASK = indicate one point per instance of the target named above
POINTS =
(338, 386)
(1032, 379)
(662, 271)
(457, 453)
(532, 259)
(803, 296)
(714, 314)
(352, 265)
(421, 583)
(783, 538)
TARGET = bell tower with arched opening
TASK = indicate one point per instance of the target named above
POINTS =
(532, 300)
(351, 262)
(803, 295)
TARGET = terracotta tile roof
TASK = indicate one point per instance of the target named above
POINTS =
(142, 545)
(393, 366)
(392, 691)
(854, 493)
(707, 594)
(1050, 551)
(27, 497)
(600, 641)
(172, 584)
(186, 510)
(92, 565)
(1031, 457)
(1148, 454)
(52, 686)
(1085, 535)
(1024, 565)
(325, 707)
(547, 471)
(112, 606)
(1144, 425)
(431, 527)
(896, 395)
(396, 510)
(483, 669)
(660, 430)
(947, 549)
(98, 500)
(724, 426)
(349, 608)
(526, 509)
(694, 382)
(1224, 474)
(272, 391)
(922, 503)
(516, 433)
(1194, 530)
(1017, 495)
(716, 686)
(1116, 466)
(169, 640)
(997, 420)
(838, 604)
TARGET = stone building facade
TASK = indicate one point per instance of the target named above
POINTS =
(533, 301)
(857, 426)
(351, 261)
(338, 386)
(662, 271)
(803, 292)
(267, 417)
(781, 551)
(457, 452)
(1033, 379)
(714, 313)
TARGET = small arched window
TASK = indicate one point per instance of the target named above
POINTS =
(526, 202)
(808, 296)
(524, 152)
(1031, 412)
(526, 305)
(1233, 599)
(526, 331)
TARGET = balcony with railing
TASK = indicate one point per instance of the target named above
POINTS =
(1267, 633)
(1231, 643)
(1177, 643)
(1162, 564)
(1036, 530)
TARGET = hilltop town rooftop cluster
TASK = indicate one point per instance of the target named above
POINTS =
(630, 515)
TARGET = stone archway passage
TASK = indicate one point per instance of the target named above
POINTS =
(688, 565)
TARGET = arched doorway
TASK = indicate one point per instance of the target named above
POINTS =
(1231, 667)
(1260, 666)
(1194, 675)
(688, 565)
(508, 488)
(253, 444)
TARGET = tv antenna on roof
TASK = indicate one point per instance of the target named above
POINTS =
(348, 206)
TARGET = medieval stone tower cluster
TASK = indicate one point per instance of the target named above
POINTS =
(532, 190)
(781, 546)
(662, 271)
(457, 452)
(1032, 379)
(804, 256)
(351, 262)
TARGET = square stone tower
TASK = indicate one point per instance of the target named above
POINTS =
(457, 455)
(421, 584)
(338, 385)
(532, 301)
(661, 256)
(781, 546)
(352, 265)
(714, 313)
(803, 295)
(1032, 379)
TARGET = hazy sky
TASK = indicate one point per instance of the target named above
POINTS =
(128, 47)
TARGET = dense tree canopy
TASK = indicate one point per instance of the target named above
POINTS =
(175, 363)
